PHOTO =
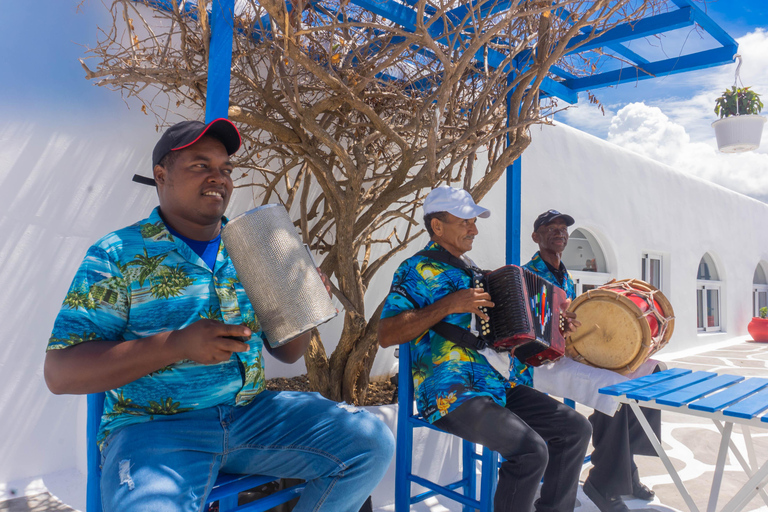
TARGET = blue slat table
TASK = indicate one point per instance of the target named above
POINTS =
(726, 400)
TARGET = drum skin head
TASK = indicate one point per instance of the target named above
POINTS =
(614, 333)
(610, 335)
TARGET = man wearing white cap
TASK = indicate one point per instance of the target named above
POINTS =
(466, 391)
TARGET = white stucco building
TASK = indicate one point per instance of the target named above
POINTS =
(635, 218)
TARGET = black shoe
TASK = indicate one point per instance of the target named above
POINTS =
(639, 489)
(605, 504)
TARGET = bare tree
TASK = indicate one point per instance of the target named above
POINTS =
(349, 117)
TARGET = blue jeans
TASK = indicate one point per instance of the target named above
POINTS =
(171, 463)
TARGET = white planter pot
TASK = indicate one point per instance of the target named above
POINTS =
(737, 134)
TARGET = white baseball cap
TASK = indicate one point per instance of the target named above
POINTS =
(455, 201)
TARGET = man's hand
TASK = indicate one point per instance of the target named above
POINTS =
(469, 301)
(413, 323)
(326, 281)
(570, 324)
(209, 341)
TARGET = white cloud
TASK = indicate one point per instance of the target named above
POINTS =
(650, 132)
(587, 117)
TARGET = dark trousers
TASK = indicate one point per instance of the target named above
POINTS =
(616, 440)
(537, 436)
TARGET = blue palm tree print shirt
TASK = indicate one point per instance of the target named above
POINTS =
(445, 375)
(521, 372)
(140, 281)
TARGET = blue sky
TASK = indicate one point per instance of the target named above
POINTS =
(663, 118)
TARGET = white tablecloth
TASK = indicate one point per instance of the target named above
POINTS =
(568, 379)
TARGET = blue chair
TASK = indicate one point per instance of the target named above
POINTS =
(225, 491)
(407, 420)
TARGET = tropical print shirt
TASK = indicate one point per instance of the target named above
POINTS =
(140, 281)
(445, 375)
(521, 372)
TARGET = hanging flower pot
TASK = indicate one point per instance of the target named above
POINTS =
(739, 127)
(737, 134)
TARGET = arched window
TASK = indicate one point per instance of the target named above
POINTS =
(708, 293)
(584, 259)
(759, 289)
(651, 269)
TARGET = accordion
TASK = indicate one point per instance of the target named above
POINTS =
(525, 317)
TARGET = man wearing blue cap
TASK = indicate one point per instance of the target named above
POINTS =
(615, 438)
(156, 317)
(466, 391)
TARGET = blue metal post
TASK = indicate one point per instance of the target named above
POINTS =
(404, 447)
(514, 198)
(219, 60)
(514, 207)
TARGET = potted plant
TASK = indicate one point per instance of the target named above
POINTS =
(758, 327)
(739, 127)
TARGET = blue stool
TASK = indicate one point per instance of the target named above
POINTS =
(225, 490)
(407, 420)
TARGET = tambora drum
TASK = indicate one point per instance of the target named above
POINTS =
(623, 323)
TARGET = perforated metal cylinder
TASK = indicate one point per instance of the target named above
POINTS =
(277, 273)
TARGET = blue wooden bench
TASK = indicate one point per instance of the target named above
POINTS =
(726, 400)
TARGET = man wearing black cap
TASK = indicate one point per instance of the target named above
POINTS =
(615, 438)
(157, 318)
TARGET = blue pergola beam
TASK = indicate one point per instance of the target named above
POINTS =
(629, 54)
(393, 11)
(630, 31)
(699, 60)
(557, 89)
(707, 23)
(219, 60)
(617, 48)
(488, 8)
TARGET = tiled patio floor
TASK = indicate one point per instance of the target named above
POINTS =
(43, 502)
(691, 442)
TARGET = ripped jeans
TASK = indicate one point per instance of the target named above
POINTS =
(171, 463)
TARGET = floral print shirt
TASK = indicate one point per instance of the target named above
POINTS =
(445, 375)
(140, 281)
(521, 372)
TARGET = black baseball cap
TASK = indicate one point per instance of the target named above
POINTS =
(186, 133)
(549, 216)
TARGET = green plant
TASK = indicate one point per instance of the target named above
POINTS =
(738, 101)
(763, 312)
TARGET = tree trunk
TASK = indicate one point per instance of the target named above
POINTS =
(357, 372)
(354, 327)
(318, 370)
